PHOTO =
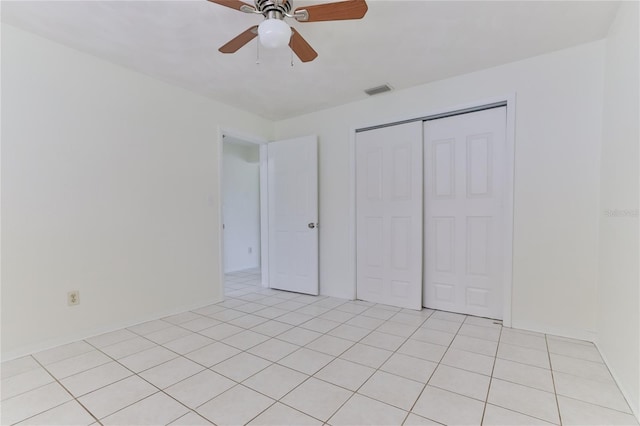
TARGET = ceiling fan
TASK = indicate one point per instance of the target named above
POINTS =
(275, 32)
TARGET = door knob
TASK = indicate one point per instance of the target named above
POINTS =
(312, 225)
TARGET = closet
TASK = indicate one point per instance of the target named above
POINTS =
(430, 213)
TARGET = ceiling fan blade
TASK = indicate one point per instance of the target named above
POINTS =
(233, 4)
(350, 9)
(243, 38)
(301, 48)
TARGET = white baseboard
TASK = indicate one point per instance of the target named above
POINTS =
(52, 343)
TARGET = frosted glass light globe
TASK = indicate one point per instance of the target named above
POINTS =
(274, 33)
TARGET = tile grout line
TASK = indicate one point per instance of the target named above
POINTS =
(493, 368)
(553, 381)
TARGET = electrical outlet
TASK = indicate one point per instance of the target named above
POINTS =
(73, 298)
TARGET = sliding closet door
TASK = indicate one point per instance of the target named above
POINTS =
(464, 224)
(389, 215)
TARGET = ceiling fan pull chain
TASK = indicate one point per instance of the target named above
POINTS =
(291, 50)
(258, 53)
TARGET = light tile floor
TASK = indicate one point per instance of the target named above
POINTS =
(269, 357)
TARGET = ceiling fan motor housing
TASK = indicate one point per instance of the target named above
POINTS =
(267, 7)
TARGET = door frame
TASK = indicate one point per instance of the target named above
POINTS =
(264, 212)
(508, 207)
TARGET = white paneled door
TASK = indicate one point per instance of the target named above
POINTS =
(464, 159)
(293, 214)
(389, 215)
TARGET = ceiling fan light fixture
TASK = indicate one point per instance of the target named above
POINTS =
(274, 33)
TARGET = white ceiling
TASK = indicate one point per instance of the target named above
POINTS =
(402, 43)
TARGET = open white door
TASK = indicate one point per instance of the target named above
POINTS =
(464, 221)
(293, 214)
(389, 215)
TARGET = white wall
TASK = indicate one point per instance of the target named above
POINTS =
(618, 296)
(558, 134)
(109, 186)
(241, 206)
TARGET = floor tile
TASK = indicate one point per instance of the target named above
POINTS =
(423, 350)
(352, 308)
(226, 315)
(360, 410)
(111, 398)
(290, 305)
(528, 340)
(464, 382)
(448, 408)
(306, 361)
(525, 400)
(275, 381)
(415, 420)
(320, 325)
(397, 329)
(199, 324)
(391, 389)
(148, 358)
(149, 327)
(337, 316)
(442, 325)
(449, 316)
(579, 413)
(349, 332)
(294, 318)
(111, 338)
(498, 416)
(168, 334)
(317, 398)
(171, 372)
(212, 354)
(366, 355)
(18, 366)
(383, 340)
(60, 353)
(69, 414)
(485, 322)
(408, 319)
(345, 373)
(313, 310)
(377, 312)
(24, 382)
(241, 366)
(188, 343)
(77, 364)
(209, 310)
(365, 322)
(433, 336)
(479, 332)
(273, 349)
(472, 344)
(576, 350)
(248, 321)
(299, 336)
(158, 409)
(280, 414)
(198, 389)
(595, 392)
(34, 402)
(191, 419)
(245, 340)
(409, 367)
(272, 328)
(182, 317)
(236, 406)
(330, 345)
(524, 355)
(221, 331)
(127, 347)
(523, 374)
(581, 368)
(269, 313)
(90, 380)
